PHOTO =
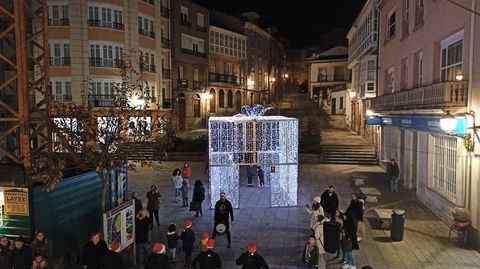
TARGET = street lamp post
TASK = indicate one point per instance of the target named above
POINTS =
(208, 97)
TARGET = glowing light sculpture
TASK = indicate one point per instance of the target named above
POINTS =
(252, 139)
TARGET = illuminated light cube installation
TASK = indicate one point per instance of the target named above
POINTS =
(268, 141)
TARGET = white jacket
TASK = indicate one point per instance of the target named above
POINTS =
(314, 213)
(177, 181)
(319, 236)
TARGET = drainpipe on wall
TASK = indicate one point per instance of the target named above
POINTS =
(468, 184)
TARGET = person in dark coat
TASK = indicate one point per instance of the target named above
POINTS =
(250, 176)
(5, 252)
(329, 202)
(251, 259)
(22, 255)
(158, 259)
(393, 172)
(223, 211)
(172, 241)
(184, 191)
(42, 245)
(142, 224)
(310, 253)
(356, 208)
(111, 259)
(350, 234)
(188, 238)
(208, 259)
(261, 176)
(138, 203)
(93, 251)
(153, 203)
(198, 196)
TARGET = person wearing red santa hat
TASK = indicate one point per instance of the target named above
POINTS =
(111, 259)
(208, 259)
(188, 238)
(158, 259)
(251, 259)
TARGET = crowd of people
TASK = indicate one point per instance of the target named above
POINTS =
(333, 230)
(17, 254)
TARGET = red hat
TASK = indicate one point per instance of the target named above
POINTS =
(252, 247)
(205, 235)
(158, 248)
(187, 224)
(116, 246)
(210, 243)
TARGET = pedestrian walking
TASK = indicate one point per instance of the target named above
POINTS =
(356, 207)
(172, 241)
(153, 203)
(314, 211)
(251, 259)
(310, 253)
(208, 259)
(5, 252)
(93, 252)
(339, 219)
(393, 172)
(184, 193)
(223, 214)
(187, 173)
(350, 240)
(177, 184)
(39, 262)
(261, 176)
(250, 176)
(22, 254)
(111, 259)
(198, 197)
(322, 259)
(138, 203)
(202, 244)
(42, 245)
(158, 259)
(142, 225)
(188, 238)
(329, 202)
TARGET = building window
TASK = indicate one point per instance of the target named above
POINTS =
(106, 55)
(221, 98)
(147, 62)
(230, 99)
(200, 20)
(180, 72)
(322, 74)
(105, 16)
(339, 73)
(390, 80)
(196, 106)
(418, 13)
(184, 14)
(213, 102)
(370, 87)
(340, 103)
(59, 53)
(58, 15)
(192, 43)
(146, 26)
(452, 57)
(61, 89)
(445, 165)
(391, 24)
(371, 70)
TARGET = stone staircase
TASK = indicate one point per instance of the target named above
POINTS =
(348, 154)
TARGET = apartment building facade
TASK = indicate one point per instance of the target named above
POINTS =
(428, 66)
(226, 77)
(190, 45)
(362, 61)
(89, 40)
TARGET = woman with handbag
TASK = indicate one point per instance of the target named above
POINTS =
(198, 197)
(350, 240)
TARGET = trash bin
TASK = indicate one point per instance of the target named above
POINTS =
(398, 223)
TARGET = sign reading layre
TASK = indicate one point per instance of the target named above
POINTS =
(16, 201)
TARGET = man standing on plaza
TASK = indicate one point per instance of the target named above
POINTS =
(250, 176)
(223, 209)
(208, 259)
(393, 172)
(251, 259)
(329, 202)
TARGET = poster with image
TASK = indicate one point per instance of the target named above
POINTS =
(119, 225)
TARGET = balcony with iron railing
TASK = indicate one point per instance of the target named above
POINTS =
(106, 24)
(435, 96)
(165, 12)
(166, 73)
(362, 45)
(166, 43)
(418, 17)
(60, 61)
(197, 85)
(102, 62)
(146, 33)
(148, 68)
(186, 23)
(192, 52)
(58, 22)
(182, 83)
(101, 100)
(215, 77)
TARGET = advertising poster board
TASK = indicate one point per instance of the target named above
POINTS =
(119, 225)
(15, 201)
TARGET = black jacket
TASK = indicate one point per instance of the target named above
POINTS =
(138, 205)
(350, 229)
(92, 254)
(198, 194)
(188, 238)
(356, 208)
(329, 202)
(112, 260)
(222, 210)
(142, 227)
(158, 261)
(251, 261)
(5, 257)
(22, 258)
(312, 261)
(172, 239)
(393, 170)
(207, 260)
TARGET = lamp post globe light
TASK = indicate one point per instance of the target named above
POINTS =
(448, 122)
(352, 94)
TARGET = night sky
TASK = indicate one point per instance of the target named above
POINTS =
(301, 21)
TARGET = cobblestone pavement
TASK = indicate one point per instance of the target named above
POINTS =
(280, 233)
